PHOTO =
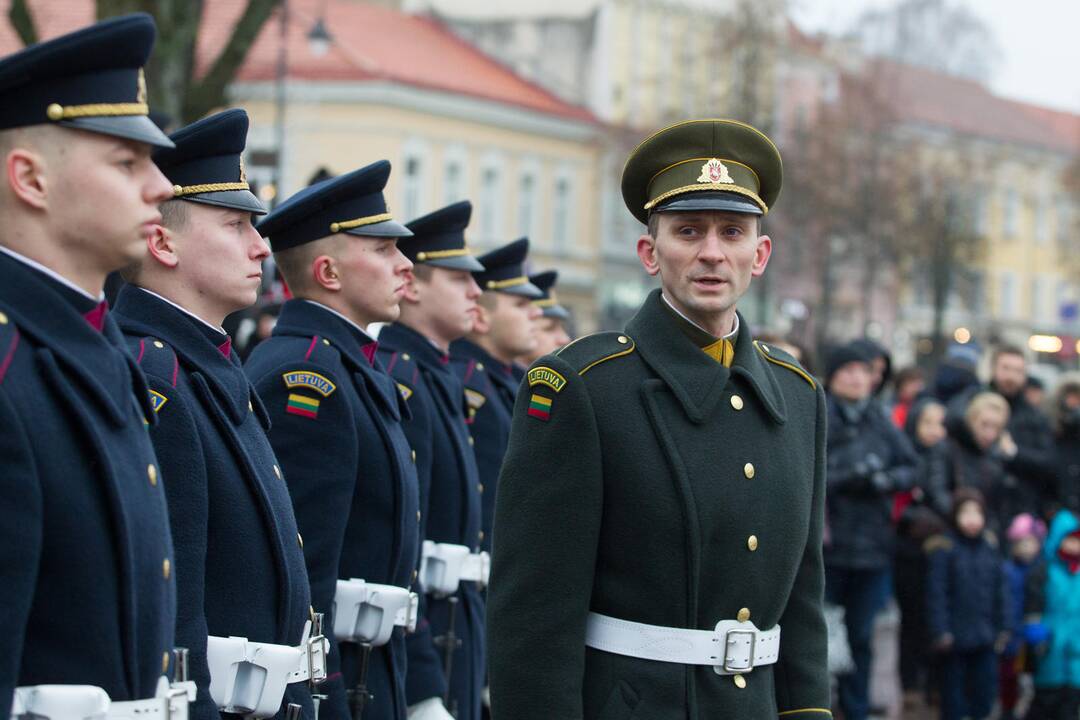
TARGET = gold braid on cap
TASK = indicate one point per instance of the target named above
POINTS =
(545, 303)
(437, 254)
(57, 112)
(358, 222)
(708, 186)
(510, 282)
(182, 190)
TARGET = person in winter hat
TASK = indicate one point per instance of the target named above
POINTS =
(1026, 534)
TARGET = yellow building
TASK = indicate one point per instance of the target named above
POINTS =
(454, 123)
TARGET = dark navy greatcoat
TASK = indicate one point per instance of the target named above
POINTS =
(490, 390)
(240, 566)
(87, 593)
(450, 503)
(352, 478)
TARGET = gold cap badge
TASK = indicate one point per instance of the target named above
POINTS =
(715, 172)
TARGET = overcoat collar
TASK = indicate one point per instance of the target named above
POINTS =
(697, 380)
(403, 337)
(143, 313)
(97, 360)
(303, 318)
(501, 374)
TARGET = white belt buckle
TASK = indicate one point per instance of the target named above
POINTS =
(313, 651)
(731, 642)
(414, 613)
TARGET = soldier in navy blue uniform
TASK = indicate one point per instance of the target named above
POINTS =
(439, 307)
(485, 361)
(337, 417)
(239, 559)
(87, 594)
(550, 328)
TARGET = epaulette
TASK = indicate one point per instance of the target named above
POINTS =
(158, 360)
(934, 543)
(587, 352)
(778, 357)
(9, 340)
(403, 369)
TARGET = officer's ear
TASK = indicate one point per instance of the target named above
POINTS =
(26, 174)
(162, 246)
(325, 273)
(646, 251)
(482, 318)
(761, 255)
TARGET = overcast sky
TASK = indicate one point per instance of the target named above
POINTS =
(1039, 39)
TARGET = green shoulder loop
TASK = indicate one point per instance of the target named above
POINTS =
(778, 357)
(587, 352)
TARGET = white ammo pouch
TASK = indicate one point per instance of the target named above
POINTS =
(443, 567)
(368, 612)
(731, 648)
(249, 678)
(89, 702)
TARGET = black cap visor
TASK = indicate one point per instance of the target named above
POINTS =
(710, 200)
(386, 228)
(525, 289)
(233, 199)
(458, 262)
(139, 128)
(556, 311)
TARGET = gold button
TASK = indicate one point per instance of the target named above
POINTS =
(151, 472)
(736, 402)
(166, 568)
(471, 441)
(177, 190)
(415, 575)
(277, 471)
(300, 539)
(164, 662)
(251, 408)
(414, 456)
(3, 319)
(743, 615)
(55, 111)
(764, 347)
(751, 542)
(740, 682)
(480, 536)
(405, 356)
(480, 488)
(479, 366)
(748, 471)
(158, 344)
(417, 516)
(623, 339)
(325, 341)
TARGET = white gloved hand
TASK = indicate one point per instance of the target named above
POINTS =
(430, 709)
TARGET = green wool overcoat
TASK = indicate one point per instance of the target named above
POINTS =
(648, 482)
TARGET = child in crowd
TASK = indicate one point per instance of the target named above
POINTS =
(967, 605)
(1057, 678)
(919, 513)
(1026, 535)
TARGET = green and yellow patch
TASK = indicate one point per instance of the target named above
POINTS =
(540, 407)
(157, 400)
(546, 376)
(302, 405)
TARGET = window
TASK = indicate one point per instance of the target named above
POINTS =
(1064, 219)
(412, 185)
(1042, 222)
(1007, 295)
(454, 175)
(562, 214)
(1012, 213)
(526, 215)
(489, 204)
(981, 212)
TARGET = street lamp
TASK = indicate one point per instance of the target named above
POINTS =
(319, 38)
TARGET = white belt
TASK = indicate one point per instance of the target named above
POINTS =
(89, 702)
(249, 678)
(443, 567)
(368, 613)
(732, 647)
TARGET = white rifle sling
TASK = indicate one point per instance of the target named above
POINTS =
(368, 612)
(89, 702)
(443, 567)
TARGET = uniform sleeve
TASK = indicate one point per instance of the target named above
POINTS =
(314, 439)
(802, 680)
(21, 511)
(547, 525)
(183, 473)
(425, 678)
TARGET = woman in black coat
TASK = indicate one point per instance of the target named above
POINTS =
(1064, 412)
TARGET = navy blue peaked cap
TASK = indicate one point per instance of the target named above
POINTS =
(207, 164)
(548, 304)
(352, 203)
(91, 79)
(504, 270)
(439, 239)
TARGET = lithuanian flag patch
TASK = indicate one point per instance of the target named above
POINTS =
(302, 405)
(540, 407)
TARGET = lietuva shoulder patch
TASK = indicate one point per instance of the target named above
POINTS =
(587, 352)
(778, 357)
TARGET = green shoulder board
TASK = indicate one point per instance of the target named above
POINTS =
(778, 357)
(587, 352)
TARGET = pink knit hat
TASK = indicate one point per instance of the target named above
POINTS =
(1026, 525)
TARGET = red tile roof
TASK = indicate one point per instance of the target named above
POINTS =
(369, 43)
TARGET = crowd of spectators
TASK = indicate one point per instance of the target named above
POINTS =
(959, 499)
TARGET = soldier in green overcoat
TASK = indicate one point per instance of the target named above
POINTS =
(659, 521)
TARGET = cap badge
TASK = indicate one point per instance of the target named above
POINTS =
(140, 91)
(715, 172)
(243, 174)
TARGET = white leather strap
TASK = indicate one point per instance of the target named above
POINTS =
(444, 566)
(477, 568)
(368, 612)
(730, 648)
(89, 702)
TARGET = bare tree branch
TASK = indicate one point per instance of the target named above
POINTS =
(23, 22)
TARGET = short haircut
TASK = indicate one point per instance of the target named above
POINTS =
(423, 272)
(654, 225)
(1006, 350)
(175, 214)
(488, 300)
(986, 401)
(295, 262)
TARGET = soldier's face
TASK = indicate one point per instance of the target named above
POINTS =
(104, 197)
(705, 260)
(550, 336)
(448, 297)
(373, 274)
(511, 324)
(220, 256)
